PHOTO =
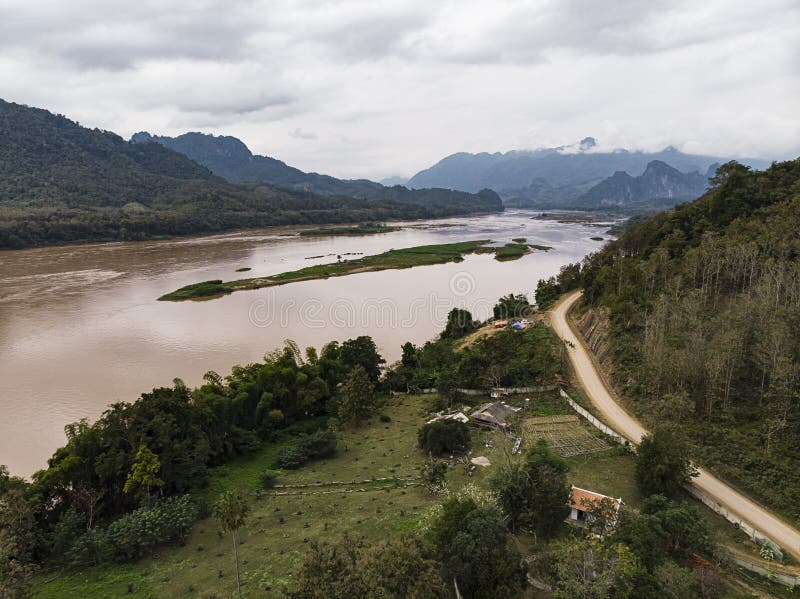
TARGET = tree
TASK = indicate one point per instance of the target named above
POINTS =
(363, 352)
(547, 292)
(447, 385)
(534, 493)
(662, 463)
(17, 537)
(512, 306)
(397, 569)
(459, 323)
(474, 545)
(589, 569)
(357, 398)
(231, 511)
(443, 436)
(144, 472)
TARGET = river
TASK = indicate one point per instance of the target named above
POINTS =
(80, 327)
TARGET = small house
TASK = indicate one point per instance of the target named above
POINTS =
(493, 414)
(583, 502)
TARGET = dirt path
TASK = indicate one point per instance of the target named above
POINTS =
(616, 417)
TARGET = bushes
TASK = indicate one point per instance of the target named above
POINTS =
(443, 436)
(137, 533)
(267, 479)
(320, 444)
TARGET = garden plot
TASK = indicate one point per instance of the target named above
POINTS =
(564, 434)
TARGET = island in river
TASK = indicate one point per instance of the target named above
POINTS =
(394, 258)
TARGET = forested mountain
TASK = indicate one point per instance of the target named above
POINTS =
(62, 183)
(660, 186)
(703, 306)
(230, 158)
(552, 177)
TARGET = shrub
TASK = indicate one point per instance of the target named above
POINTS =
(267, 479)
(443, 436)
(385, 418)
(320, 444)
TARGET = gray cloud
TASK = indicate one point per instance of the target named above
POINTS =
(390, 87)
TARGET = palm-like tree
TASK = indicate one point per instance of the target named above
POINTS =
(231, 511)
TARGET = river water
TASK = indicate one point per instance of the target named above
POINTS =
(80, 327)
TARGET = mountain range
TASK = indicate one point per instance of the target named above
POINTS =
(64, 183)
(565, 177)
(230, 158)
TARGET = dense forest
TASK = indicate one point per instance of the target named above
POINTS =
(704, 307)
(63, 183)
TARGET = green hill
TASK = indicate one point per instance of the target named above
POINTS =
(703, 309)
(63, 183)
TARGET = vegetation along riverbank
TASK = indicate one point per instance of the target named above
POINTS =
(399, 258)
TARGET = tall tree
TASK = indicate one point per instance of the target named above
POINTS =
(357, 398)
(662, 463)
(231, 511)
(144, 473)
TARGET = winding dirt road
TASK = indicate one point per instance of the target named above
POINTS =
(625, 424)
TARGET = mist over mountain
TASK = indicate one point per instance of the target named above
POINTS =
(230, 158)
(564, 176)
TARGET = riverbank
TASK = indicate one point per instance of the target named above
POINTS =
(393, 259)
(370, 229)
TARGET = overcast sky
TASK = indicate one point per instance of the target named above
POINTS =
(371, 88)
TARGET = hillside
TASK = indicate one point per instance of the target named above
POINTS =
(703, 306)
(63, 183)
(551, 177)
(230, 158)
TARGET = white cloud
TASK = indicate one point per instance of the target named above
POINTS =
(368, 88)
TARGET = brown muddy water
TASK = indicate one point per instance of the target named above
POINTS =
(80, 327)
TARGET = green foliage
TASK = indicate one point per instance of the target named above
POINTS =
(17, 538)
(396, 570)
(547, 292)
(590, 569)
(433, 475)
(357, 397)
(443, 437)
(512, 306)
(136, 534)
(267, 479)
(231, 510)
(144, 472)
(701, 331)
(507, 358)
(362, 229)
(459, 323)
(392, 259)
(534, 493)
(662, 463)
(512, 251)
(320, 444)
(475, 548)
(664, 530)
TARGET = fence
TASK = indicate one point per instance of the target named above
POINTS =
(788, 580)
(594, 421)
(488, 391)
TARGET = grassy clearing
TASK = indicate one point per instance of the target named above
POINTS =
(357, 230)
(401, 258)
(512, 251)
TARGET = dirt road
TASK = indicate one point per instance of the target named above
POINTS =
(625, 424)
